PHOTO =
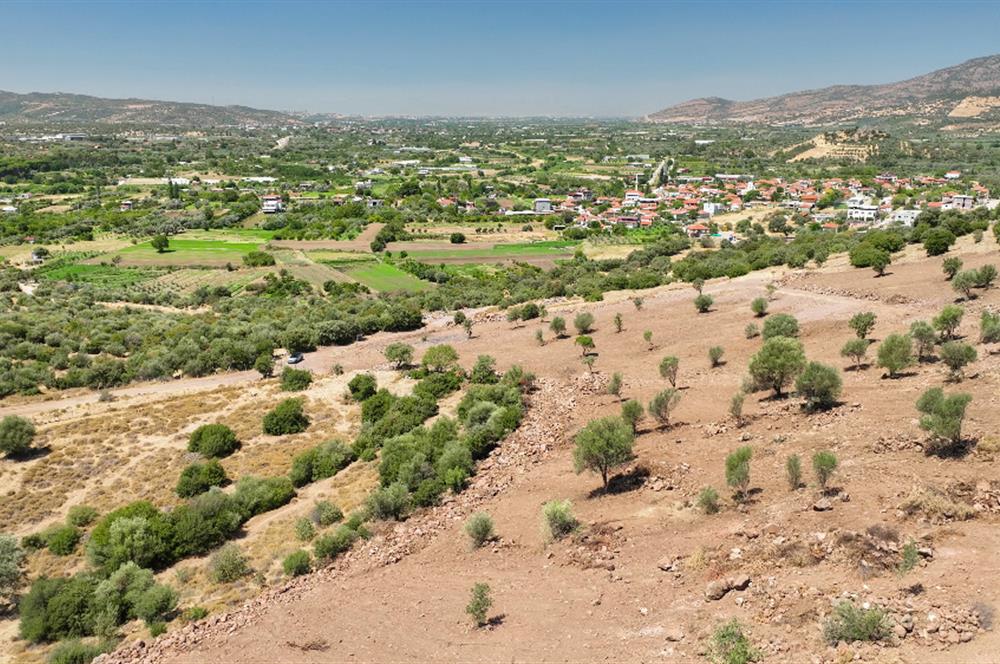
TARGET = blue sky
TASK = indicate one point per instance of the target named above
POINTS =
(478, 58)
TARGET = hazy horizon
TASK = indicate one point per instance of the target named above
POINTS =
(475, 59)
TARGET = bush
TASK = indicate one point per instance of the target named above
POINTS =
(155, 604)
(400, 354)
(457, 238)
(985, 276)
(324, 460)
(439, 358)
(194, 614)
(632, 413)
(793, 472)
(137, 532)
(777, 363)
(951, 266)
(286, 418)
(938, 240)
(964, 282)
(820, 385)
(942, 417)
(955, 355)
(715, 354)
(557, 515)
(479, 528)
(256, 495)
(81, 515)
(75, 651)
(708, 500)
(438, 385)
(947, 322)
(759, 307)
(295, 380)
(62, 540)
(362, 386)
(862, 324)
(16, 434)
(849, 623)
(325, 513)
(304, 529)
(484, 371)
(668, 369)
(736, 407)
(751, 331)
(330, 546)
(58, 609)
(824, 464)
(258, 259)
(297, 563)
(663, 404)
(780, 325)
(730, 645)
(558, 326)
(11, 559)
(584, 322)
(391, 502)
(200, 477)
(924, 337)
(480, 604)
(895, 353)
(602, 445)
(738, 470)
(856, 349)
(213, 441)
(228, 564)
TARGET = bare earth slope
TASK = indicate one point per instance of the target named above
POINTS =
(931, 95)
(648, 577)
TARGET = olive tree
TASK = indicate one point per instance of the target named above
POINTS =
(942, 416)
(668, 369)
(895, 353)
(955, 355)
(584, 322)
(862, 324)
(777, 363)
(602, 445)
(924, 337)
(663, 404)
(399, 354)
(820, 385)
(948, 320)
(856, 349)
(780, 325)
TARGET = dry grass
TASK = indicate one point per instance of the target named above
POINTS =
(936, 506)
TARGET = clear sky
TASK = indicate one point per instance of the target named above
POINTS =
(478, 58)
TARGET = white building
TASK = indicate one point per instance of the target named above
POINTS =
(543, 205)
(866, 213)
(272, 204)
(905, 217)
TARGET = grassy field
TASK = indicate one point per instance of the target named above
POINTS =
(554, 248)
(102, 275)
(188, 252)
(385, 277)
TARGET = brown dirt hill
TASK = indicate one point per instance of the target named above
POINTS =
(648, 577)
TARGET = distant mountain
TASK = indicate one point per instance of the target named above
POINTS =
(963, 93)
(72, 109)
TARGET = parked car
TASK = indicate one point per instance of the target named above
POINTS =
(295, 358)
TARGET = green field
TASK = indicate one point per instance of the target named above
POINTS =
(385, 277)
(188, 252)
(553, 248)
(101, 275)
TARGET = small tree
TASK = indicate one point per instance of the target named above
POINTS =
(951, 266)
(985, 276)
(736, 407)
(480, 604)
(963, 283)
(880, 260)
(584, 322)
(648, 337)
(955, 355)
(160, 242)
(856, 349)
(820, 385)
(588, 361)
(777, 363)
(615, 385)
(400, 354)
(467, 326)
(715, 354)
(439, 358)
(824, 463)
(708, 500)
(703, 303)
(924, 337)
(16, 435)
(602, 445)
(895, 353)
(781, 325)
(632, 413)
(619, 323)
(793, 472)
(668, 369)
(738, 470)
(213, 441)
(759, 307)
(862, 324)
(264, 365)
(479, 528)
(637, 302)
(297, 563)
(942, 416)
(286, 418)
(663, 404)
(948, 320)
(698, 284)
(558, 327)
(585, 343)
(989, 327)
(295, 380)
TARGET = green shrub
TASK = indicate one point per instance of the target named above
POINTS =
(400, 354)
(16, 435)
(985, 276)
(715, 354)
(964, 282)
(584, 322)
(479, 528)
(730, 645)
(862, 324)
(777, 363)
(820, 385)
(390, 502)
(438, 385)
(324, 460)
(62, 540)
(938, 240)
(924, 337)
(58, 609)
(751, 331)
(856, 349)
(793, 472)
(759, 307)
(955, 355)
(362, 386)
(557, 515)
(703, 303)
(909, 557)
(137, 532)
(780, 325)
(849, 623)
(213, 440)
(228, 564)
(304, 529)
(602, 445)
(81, 515)
(632, 413)
(942, 417)
(948, 320)
(75, 651)
(708, 500)
(663, 404)
(200, 477)
(194, 614)
(155, 604)
(824, 464)
(325, 513)
(738, 470)
(951, 266)
(480, 604)
(332, 545)
(286, 418)
(558, 326)
(11, 559)
(439, 358)
(668, 369)
(484, 371)
(895, 353)
(295, 380)
(157, 629)
(205, 522)
(297, 563)
(256, 495)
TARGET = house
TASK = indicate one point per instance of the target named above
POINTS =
(543, 206)
(272, 204)
(962, 202)
(8, 209)
(865, 213)
(952, 175)
(697, 230)
(125, 206)
(905, 217)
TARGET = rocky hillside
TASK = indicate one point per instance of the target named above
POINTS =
(965, 92)
(64, 108)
